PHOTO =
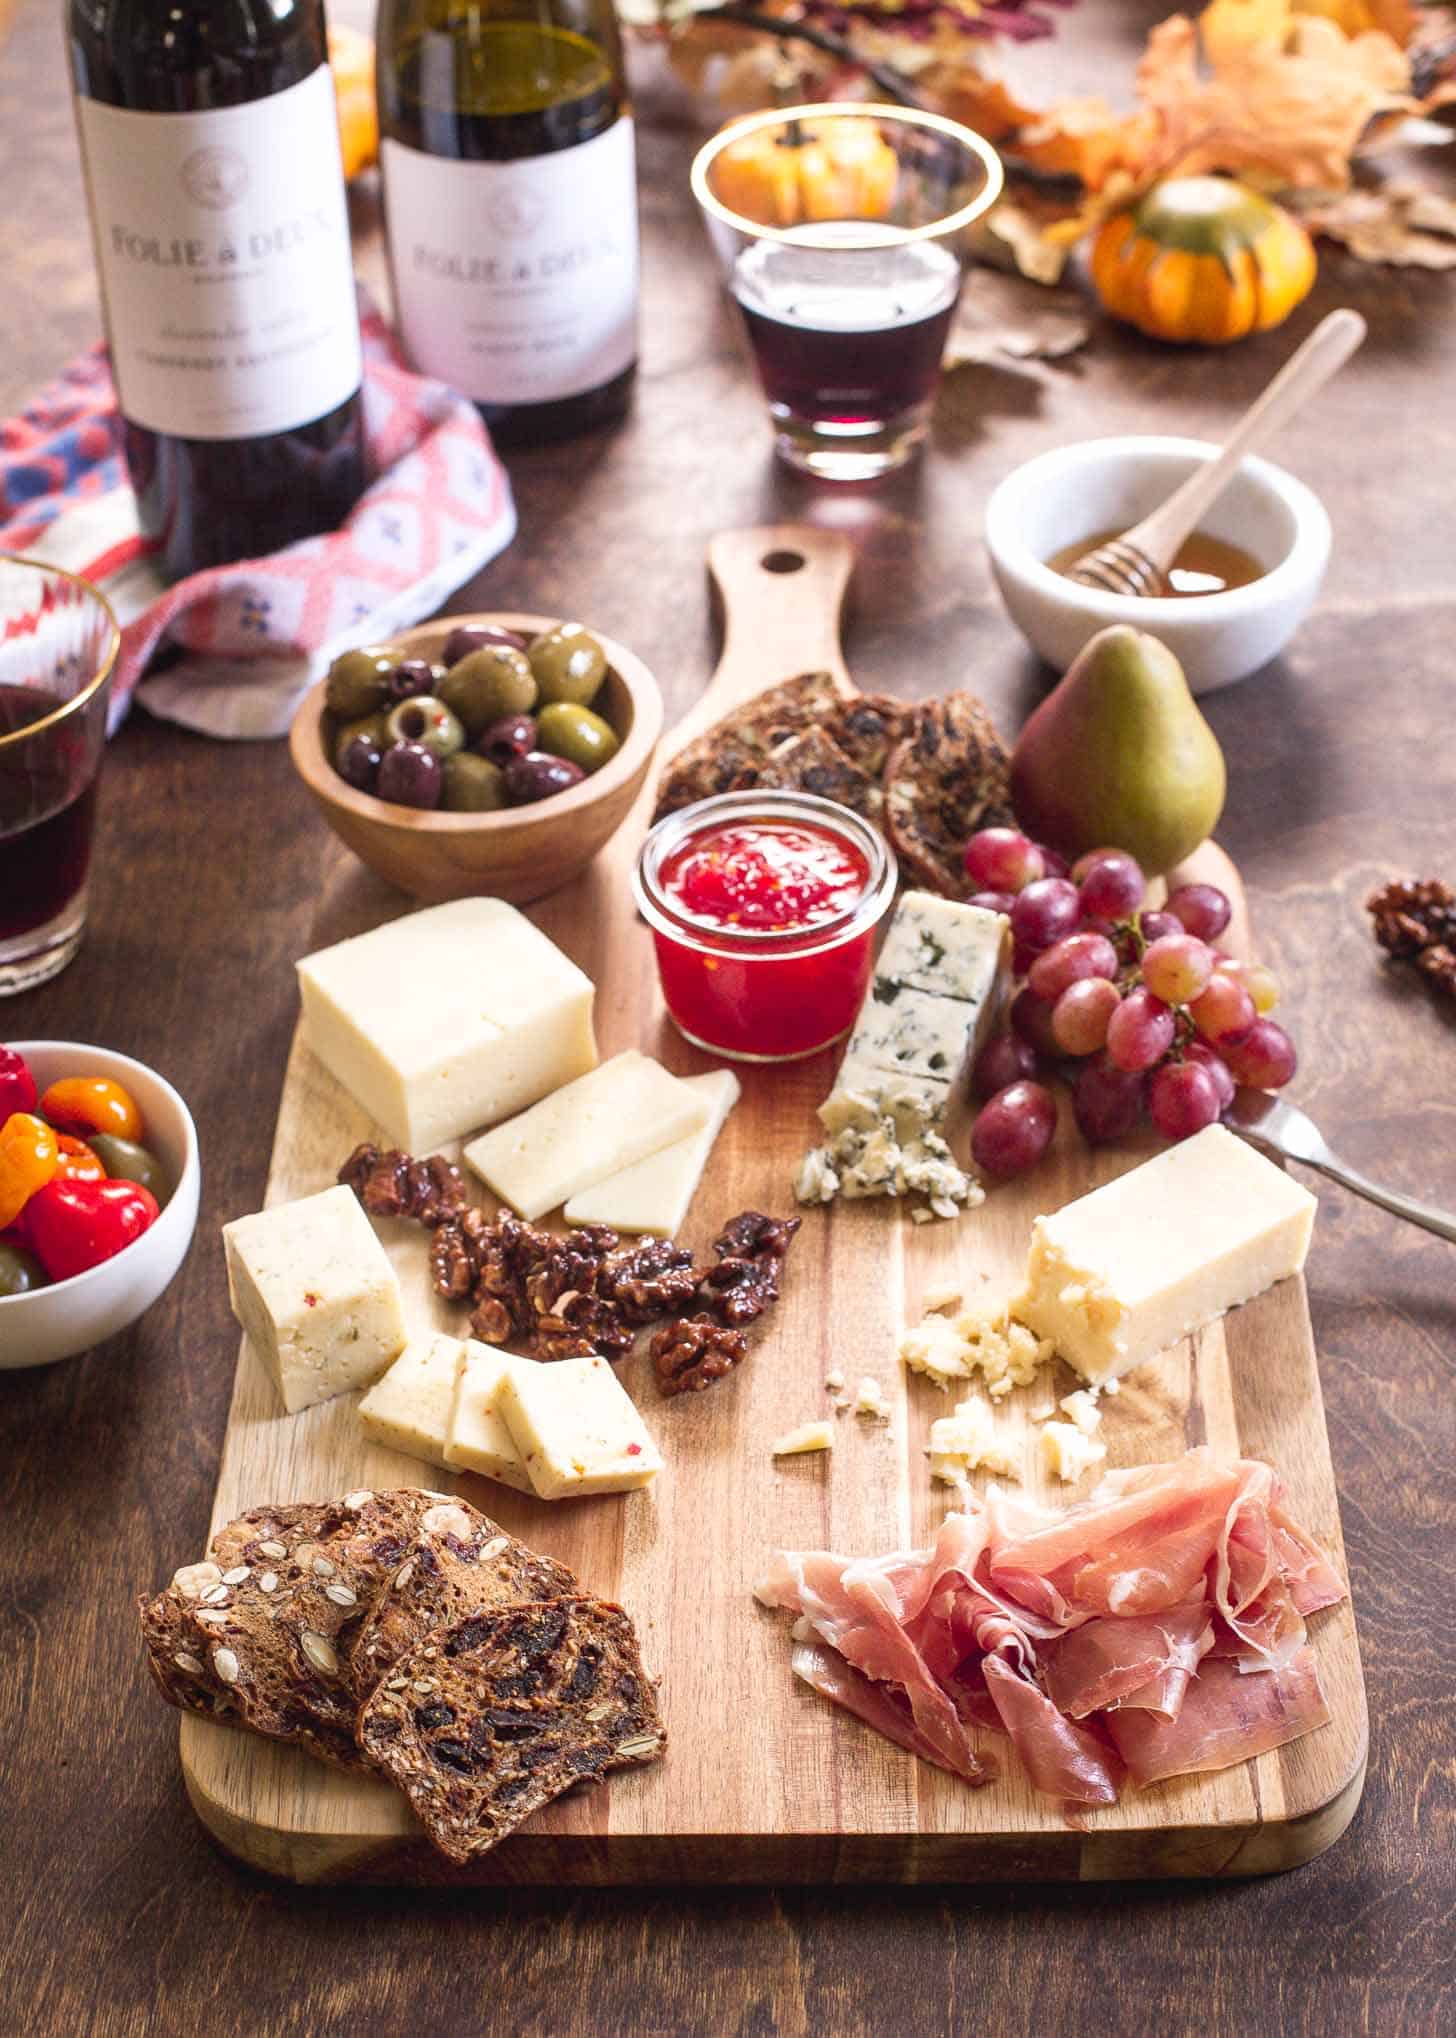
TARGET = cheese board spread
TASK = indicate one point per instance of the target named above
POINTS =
(658, 1415)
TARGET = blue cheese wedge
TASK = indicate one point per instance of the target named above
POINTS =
(603, 1122)
(314, 1291)
(1118, 1276)
(409, 1408)
(448, 1019)
(653, 1194)
(576, 1428)
(477, 1438)
(929, 1008)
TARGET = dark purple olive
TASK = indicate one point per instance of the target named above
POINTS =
(411, 775)
(512, 736)
(413, 676)
(359, 763)
(475, 637)
(537, 776)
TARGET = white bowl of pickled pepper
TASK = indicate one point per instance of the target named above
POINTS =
(99, 1184)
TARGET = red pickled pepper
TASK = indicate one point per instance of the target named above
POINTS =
(77, 1162)
(71, 1226)
(17, 1084)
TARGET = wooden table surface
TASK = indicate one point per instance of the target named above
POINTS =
(211, 868)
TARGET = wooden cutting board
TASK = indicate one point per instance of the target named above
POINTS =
(764, 1781)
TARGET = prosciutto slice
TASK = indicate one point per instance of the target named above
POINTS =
(1154, 1630)
(1227, 1717)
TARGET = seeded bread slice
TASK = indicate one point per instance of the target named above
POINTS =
(487, 1721)
(259, 1634)
(463, 1564)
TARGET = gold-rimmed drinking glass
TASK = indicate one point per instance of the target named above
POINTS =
(846, 263)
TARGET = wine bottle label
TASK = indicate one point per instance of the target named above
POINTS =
(223, 244)
(517, 282)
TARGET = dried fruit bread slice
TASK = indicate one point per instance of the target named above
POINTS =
(260, 1632)
(728, 757)
(869, 728)
(463, 1563)
(489, 1720)
(946, 780)
(814, 763)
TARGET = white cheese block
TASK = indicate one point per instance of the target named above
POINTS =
(478, 1439)
(941, 946)
(654, 1194)
(576, 1428)
(313, 1289)
(1123, 1273)
(409, 1409)
(809, 1436)
(598, 1125)
(448, 1019)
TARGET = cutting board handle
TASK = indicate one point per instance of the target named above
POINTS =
(781, 589)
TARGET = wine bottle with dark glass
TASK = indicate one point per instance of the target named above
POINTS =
(210, 141)
(511, 206)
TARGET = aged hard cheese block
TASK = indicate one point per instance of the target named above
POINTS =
(448, 1019)
(409, 1409)
(313, 1289)
(478, 1439)
(654, 1194)
(577, 1428)
(1125, 1272)
(604, 1122)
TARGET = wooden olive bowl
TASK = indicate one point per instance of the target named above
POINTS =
(518, 853)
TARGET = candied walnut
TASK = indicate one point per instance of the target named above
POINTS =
(1415, 921)
(691, 1354)
(750, 1234)
(738, 1291)
(453, 1266)
(392, 1184)
(655, 1278)
(491, 1321)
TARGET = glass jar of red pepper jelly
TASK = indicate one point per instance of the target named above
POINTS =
(763, 907)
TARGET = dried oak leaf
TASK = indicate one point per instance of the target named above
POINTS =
(1402, 223)
(1008, 317)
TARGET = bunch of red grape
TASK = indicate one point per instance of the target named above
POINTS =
(1141, 1007)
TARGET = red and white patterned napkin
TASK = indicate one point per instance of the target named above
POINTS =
(255, 635)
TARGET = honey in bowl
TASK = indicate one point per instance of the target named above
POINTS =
(1204, 565)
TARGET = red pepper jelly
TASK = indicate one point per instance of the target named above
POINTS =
(763, 908)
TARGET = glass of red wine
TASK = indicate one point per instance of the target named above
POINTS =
(58, 644)
(841, 230)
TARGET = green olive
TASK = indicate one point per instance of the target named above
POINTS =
(577, 735)
(20, 1271)
(371, 726)
(488, 684)
(125, 1161)
(358, 682)
(423, 719)
(569, 664)
(472, 785)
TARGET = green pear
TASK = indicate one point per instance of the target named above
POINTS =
(1118, 756)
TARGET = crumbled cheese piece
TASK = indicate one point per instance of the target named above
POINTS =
(834, 1381)
(1067, 1452)
(980, 1340)
(967, 1442)
(869, 1399)
(809, 1436)
(859, 1163)
(942, 1295)
(1083, 1410)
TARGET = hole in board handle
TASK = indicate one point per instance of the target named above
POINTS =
(783, 562)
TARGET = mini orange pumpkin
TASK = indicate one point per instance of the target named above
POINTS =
(1202, 259)
(351, 59)
(840, 169)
